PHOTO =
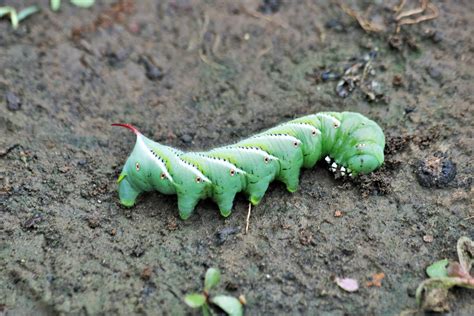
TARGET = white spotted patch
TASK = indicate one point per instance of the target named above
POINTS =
(223, 163)
(335, 122)
(250, 149)
(284, 137)
(193, 170)
(160, 162)
(313, 130)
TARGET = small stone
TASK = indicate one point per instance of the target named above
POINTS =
(437, 37)
(334, 24)
(186, 138)
(337, 213)
(146, 274)
(395, 42)
(269, 6)
(13, 101)
(33, 221)
(428, 238)
(93, 222)
(434, 73)
(138, 251)
(397, 81)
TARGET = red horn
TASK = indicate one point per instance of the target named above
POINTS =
(129, 126)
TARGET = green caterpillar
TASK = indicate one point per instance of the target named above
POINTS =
(351, 144)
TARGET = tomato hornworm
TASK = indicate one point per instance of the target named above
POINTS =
(351, 144)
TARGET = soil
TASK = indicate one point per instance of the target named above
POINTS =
(197, 74)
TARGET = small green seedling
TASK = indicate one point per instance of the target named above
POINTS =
(229, 304)
(56, 4)
(431, 294)
(15, 17)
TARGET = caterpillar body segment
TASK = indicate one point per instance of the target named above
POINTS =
(349, 142)
(261, 168)
(287, 149)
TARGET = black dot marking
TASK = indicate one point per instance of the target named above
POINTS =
(163, 176)
(198, 180)
(137, 166)
(232, 172)
(295, 144)
(266, 160)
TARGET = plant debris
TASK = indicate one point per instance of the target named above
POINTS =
(347, 284)
(432, 294)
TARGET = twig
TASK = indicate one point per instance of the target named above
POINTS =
(248, 218)
(364, 23)
(208, 61)
(400, 5)
(434, 14)
(421, 9)
(264, 17)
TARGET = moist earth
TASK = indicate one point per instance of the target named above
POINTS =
(198, 74)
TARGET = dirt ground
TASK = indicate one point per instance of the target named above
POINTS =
(197, 74)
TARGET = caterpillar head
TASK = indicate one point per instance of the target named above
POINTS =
(143, 171)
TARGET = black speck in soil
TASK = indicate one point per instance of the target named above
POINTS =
(152, 71)
(334, 24)
(434, 73)
(269, 6)
(186, 138)
(224, 234)
(13, 101)
(33, 221)
(138, 251)
(345, 87)
(435, 171)
(115, 58)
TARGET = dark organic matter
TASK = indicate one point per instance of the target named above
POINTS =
(435, 171)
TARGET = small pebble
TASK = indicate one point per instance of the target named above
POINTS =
(152, 72)
(33, 221)
(397, 81)
(146, 274)
(428, 238)
(434, 73)
(13, 101)
(186, 138)
(269, 6)
(334, 24)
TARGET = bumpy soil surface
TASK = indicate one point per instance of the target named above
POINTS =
(196, 74)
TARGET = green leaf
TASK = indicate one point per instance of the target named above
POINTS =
(83, 3)
(55, 4)
(229, 304)
(5, 10)
(205, 310)
(23, 14)
(438, 269)
(195, 300)
(213, 277)
(14, 19)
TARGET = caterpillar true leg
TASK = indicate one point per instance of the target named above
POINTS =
(350, 143)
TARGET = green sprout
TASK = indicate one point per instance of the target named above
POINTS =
(55, 4)
(15, 17)
(229, 304)
(431, 294)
